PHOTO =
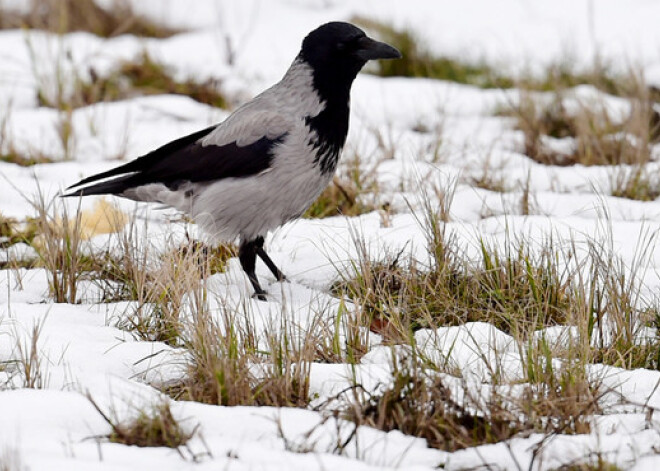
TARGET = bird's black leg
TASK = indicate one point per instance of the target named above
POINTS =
(247, 254)
(259, 247)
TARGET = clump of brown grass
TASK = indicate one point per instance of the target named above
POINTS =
(24, 160)
(422, 401)
(141, 76)
(160, 283)
(340, 198)
(13, 232)
(599, 463)
(352, 191)
(637, 182)
(227, 367)
(29, 367)
(505, 289)
(596, 138)
(155, 427)
(423, 406)
(65, 16)
(59, 245)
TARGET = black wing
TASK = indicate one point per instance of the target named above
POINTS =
(184, 160)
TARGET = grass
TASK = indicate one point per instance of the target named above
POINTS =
(636, 182)
(14, 157)
(26, 367)
(59, 243)
(161, 290)
(152, 427)
(11, 459)
(505, 289)
(13, 232)
(423, 406)
(352, 191)
(418, 61)
(423, 401)
(599, 464)
(597, 139)
(142, 76)
(229, 366)
(340, 198)
(519, 289)
(66, 16)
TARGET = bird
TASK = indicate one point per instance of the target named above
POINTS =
(266, 163)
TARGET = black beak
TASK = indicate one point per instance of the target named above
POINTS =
(370, 49)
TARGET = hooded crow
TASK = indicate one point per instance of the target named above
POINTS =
(268, 161)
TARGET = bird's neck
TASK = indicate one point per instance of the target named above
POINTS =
(330, 124)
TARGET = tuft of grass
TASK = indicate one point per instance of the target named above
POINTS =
(418, 61)
(141, 76)
(14, 157)
(26, 367)
(66, 16)
(30, 361)
(423, 406)
(596, 139)
(597, 464)
(159, 282)
(424, 402)
(13, 232)
(163, 289)
(340, 198)
(510, 289)
(59, 245)
(155, 427)
(637, 182)
(227, 367)
(230, 363)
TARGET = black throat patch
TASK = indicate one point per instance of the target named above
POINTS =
(330, 128)
(333, 86)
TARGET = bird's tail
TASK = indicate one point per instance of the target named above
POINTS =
(115, 186)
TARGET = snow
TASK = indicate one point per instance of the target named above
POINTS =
(82, 349)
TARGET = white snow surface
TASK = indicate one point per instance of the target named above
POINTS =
(84, 352)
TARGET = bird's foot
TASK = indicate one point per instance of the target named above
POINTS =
(261, 296)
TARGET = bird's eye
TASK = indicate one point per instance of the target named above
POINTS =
(349, 44)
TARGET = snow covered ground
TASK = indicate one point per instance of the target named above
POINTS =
(83, 350)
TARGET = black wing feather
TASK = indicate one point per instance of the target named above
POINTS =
(144, 162)
(185, 160)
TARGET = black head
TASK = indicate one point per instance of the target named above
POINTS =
(337, 51)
